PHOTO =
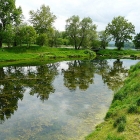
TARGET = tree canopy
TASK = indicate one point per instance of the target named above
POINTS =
(104, 39)
(80, 32)
(9, 14)
(120, 30)
(136, 41)
(42, 19)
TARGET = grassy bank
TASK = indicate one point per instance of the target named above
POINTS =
(122, 121)
(107, 53)
(35, 54)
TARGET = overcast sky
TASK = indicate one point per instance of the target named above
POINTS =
(101, 11)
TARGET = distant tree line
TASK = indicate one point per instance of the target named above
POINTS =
(79, 33)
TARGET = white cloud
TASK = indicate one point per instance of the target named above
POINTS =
(101, 11)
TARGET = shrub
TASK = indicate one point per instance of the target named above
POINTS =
(132, 109)
(121, 127)
(138, 102)
(118, 96)
(120, 120)
(108, 115)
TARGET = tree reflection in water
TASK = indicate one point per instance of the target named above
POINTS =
(79, 74)
(13, 81)
(41, 82)
(11, 90)
(114, 75)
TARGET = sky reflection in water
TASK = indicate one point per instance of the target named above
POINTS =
(58, 101)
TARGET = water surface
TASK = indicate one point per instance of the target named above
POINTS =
(58, 101)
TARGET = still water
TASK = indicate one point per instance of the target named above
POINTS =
(58, 101)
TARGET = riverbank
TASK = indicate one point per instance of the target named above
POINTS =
(37, 54)
(122, 121)
(120, 54)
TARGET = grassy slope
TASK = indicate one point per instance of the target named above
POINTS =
(122, 122)
(36, 53)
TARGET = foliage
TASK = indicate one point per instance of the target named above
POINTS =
(132, 109)
(136, 41)
(138, 102)
(8, 35)
(121, 119)
(42, 19)
(81, 33)
(30, 35)
(42, 39)
(120, 30)
(129, 45)
(24, 34)
(9, 15)
(121, 127)
(96, 44)
(104, 39)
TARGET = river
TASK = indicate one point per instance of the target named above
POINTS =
(58, 101)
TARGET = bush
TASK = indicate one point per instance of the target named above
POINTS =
(132, 109)
(118, 96)
(121, 127)
(108, 115)
(138, 102)
(120, 120)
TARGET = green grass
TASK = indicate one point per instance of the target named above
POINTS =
(122, 121)
(107, 53)
(17, 55)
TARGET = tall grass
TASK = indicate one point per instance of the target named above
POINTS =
(124, 113)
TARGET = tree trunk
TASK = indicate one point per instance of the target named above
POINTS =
(0, 43)
(75, 44)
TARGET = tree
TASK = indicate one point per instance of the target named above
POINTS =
(104, 39)
(80, 32)
(30, 35)
(136, 41)
(19, 35)
(42, 19)
(8, 35)
(120, 30)
(42, 39)
(9, 15)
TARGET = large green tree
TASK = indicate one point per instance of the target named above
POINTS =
(104, 39)
(136, 41)
(80, 32)
(120, 30)
(42, 19)
(30, 35)
(8, 35)
(9, 15)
